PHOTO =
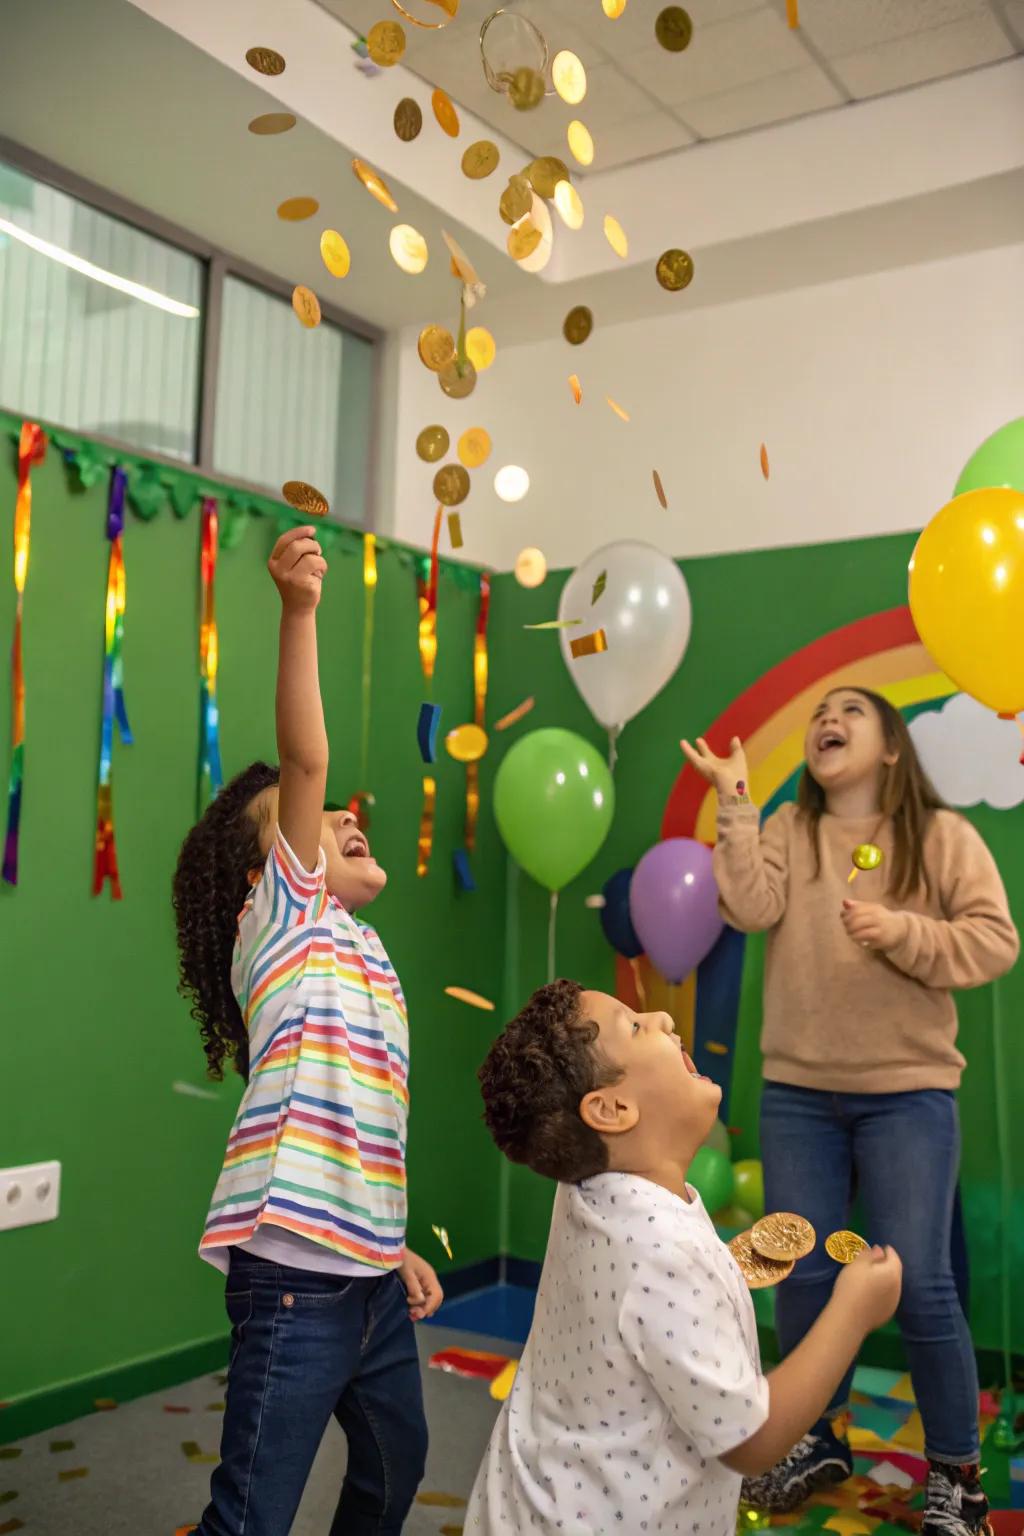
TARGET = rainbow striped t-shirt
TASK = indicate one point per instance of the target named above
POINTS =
(318, 1144)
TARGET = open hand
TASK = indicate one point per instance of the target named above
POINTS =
(298, 566)
(422, 1287)
(723, 772)
(871, 1285)
(872, 925)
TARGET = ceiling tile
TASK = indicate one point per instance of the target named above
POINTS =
(837, 27)
(774, 100)
(638, 139)
(1014, 11)
(927, 56)
(721, 57)
(611, 98)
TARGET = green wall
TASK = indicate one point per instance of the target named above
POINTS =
(94, 1034)
(750, 612)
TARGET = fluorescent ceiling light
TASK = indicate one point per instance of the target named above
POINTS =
(99, 274)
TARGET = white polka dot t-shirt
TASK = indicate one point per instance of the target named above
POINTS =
(640, 1371)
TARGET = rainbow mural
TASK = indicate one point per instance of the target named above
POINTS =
(881, 652)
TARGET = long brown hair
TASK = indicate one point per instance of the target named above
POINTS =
(908, 796)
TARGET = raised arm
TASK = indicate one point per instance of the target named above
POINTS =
(298, 566)
(750, 862)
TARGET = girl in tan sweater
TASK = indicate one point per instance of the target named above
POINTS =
(860, 1055)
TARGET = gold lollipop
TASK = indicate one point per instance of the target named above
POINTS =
(866, 856)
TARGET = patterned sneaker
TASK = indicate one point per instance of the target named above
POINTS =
(955, 1502)
(819, 1460)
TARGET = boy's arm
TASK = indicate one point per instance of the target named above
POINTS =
(297, 566)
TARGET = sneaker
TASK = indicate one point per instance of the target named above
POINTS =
(955, 1502)
(820, 1460)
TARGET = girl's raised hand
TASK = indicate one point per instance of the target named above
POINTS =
(723, 772)
(298, 568)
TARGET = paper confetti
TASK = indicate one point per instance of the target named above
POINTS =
(595, 903)
(463, 870)
(478, 1364)
(717, 1048)
(194, 1452)
(441, 1233)
(56, 1446)
(215, 1407)
(71, 1473)
(176, 1408)
(659, 489)
(890, 1476)
(11, 1525)
(764, 462)
(441, 1500)
(793, 14)
(452, 1530)
(463, 995)
(599, 586)
(426, 731)
(589, 645)
(190, 1091)
(9, 1452)
(620, 413)
(555, 624)
(105, 1404)
(577, 390)
(8, 1496)
(514, 715)
(501, 1386)
(455, 530)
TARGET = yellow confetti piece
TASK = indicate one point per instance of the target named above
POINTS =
(717, 1048)
(577, 391)
(659, 489)
(441, 1500)
(104, 1404)
(455, 529)
(555, 624)
(463, 995)
(69, 1474)
(501, 1386)
(514, 715)
(56, 1446)
(620, 413)
(452, 1530)
(793, 14)
(765, 469)
(441, 1233)
(589, 645)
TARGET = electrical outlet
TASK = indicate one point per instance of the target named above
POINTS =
(29, 1195)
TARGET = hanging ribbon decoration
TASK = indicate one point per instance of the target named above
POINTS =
(426, 591)
(479, 706)
(31, 450)
(210, 777)
(359, 803)
(105, 860)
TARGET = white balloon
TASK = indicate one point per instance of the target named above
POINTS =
(645, 613)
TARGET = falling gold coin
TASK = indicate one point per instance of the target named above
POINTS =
(474, 447)
(306, 305)
(523, 240)
(616, 236)
(449, 7)
(480, 348)
(265, 61)
(844, 1246)
(674, 29)
(783, 1236)
(436, 347)
(569, 205)
(530, 570)
(466, 743)
(295, 208)
(457, 381)
(674, 270)
(432, 444)
(545, 173)
(613, 9)
(516, 200)
(659, 489)
(408, 119)
(480, 159)
(569, 77)
(445, 113)
(577, 325)
(305, 498)
(408, 249)
(451, 485)
(272, 122)
(526, 89)
(581, 145)
(385, 43)
(577, 390)
(757, 1271)
(374, 184)
(334, 253)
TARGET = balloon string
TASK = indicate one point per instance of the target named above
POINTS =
(552, 919)
(613, 746)
(1003, 1145)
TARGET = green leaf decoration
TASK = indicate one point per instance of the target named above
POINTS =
(234, 521)
(599, 586)
(183, 492)
(145, 491)
(91, 466)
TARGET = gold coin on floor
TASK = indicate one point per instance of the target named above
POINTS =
(756, 1270)
(783, 1236)
(844, 1246)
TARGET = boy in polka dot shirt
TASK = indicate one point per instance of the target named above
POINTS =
(639, 1402)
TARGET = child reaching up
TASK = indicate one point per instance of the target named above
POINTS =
(639, 1401)
(308, 1216)
(860, 1054)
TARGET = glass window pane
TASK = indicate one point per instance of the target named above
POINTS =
(292, 404)
(100, 325)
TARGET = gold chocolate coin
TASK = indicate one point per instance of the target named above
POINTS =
(448, 7)
(474, 447)
(526, 89)
(408, 119)
(374, 184)
(457, 380)
(334, 253)
(480, 159)
(265, 61)
(306, 305)
(577, 325)
(445, 113)
(516, 200)
(674, 270)
(295, 208)
(783, 1236)
(523, 240)
(674, 29)
(756, 1270)
(272, 122)
(545, 173)
(432, 444)
(844, 1246)
(385, 43)
(305, 498)
(436, 347)
(480, 348)
(451, 485)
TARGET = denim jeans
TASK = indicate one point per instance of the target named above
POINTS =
(305, 1346)
(901, 1152)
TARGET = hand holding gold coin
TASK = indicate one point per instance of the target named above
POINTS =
(869, 1288)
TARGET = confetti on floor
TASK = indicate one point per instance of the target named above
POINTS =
(441, 1500)
(501, 1386)
(56, 1446)
(11, 1525)
(9, 1452)
(477, 1364)
(451, 1530)
(8, 1496)
(105, 1404)
(175, 1408)
(215, 1407)
(69, 1474)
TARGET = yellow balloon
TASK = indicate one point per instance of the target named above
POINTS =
(466, 743)
(967, 595)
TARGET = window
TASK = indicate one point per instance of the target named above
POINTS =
(100, 323)
(292, 404)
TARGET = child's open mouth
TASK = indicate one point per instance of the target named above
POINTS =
(688, 1063)
(830, 741)
(355, 847)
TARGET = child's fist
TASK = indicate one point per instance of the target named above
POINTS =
(298, 566)
(871, 1286)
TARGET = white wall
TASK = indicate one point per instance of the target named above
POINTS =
(869, 393)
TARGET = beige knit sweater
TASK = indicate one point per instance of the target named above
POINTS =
(840, 1017)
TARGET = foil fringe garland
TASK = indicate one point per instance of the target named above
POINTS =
(210, 777)
(31, 451)
(426, 591)
(105, 860)
(480, 670)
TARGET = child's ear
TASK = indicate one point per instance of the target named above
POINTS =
(606, 1112)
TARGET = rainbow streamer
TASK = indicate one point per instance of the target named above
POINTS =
(105, 860)
(480, 668)
(31, 450)
(210, 777)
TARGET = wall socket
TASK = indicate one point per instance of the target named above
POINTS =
(29, 1194)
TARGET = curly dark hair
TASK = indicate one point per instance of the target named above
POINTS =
(211, 883)
(533, 1080)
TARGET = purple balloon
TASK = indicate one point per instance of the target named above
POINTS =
(673, 901)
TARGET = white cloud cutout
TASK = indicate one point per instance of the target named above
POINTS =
(970, 755)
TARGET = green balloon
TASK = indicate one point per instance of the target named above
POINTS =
(748, 1179)
(711, 1176)
(553, 801)
(999, 461)
(719, 1140)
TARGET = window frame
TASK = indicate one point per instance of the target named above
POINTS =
(217, 266)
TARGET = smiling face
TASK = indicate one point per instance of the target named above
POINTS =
(353, 875)
(845, 742)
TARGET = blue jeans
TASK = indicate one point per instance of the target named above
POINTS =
(305, 1346)
(901, 1151)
